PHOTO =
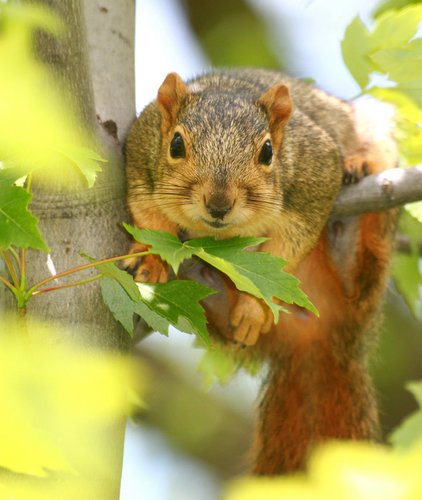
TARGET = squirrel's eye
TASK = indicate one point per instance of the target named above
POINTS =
(177, 147)
(266, 154)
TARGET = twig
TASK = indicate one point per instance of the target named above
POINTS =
(391, 188)
(82, 268)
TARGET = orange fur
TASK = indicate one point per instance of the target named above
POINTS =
(319, 387)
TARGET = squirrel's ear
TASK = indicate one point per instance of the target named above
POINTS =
(170, 98)
(278, 105)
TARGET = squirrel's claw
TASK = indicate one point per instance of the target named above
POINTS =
(249, 318)
(355, 168)
(148, 268)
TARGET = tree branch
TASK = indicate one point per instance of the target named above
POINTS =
(388, 189)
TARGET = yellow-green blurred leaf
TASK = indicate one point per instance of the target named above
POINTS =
(220, 362)
(355, 47)
(412, 90)
(343, 471)
(415, 210)
(86, 160)
(395, 28)
(392, 5)
(389, 48)
(31, 16)
(406, 271)
(408, 120)
(38, 126)
(401, 64)
(410, 431)
(57, 400)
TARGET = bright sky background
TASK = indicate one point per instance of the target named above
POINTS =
(315, 27)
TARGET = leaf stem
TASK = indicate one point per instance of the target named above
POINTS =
(15, 255)
(83, 268)
(68, 285)
(10, 267)
(8, 284)
(22, 269)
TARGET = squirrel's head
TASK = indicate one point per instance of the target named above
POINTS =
(221, 152)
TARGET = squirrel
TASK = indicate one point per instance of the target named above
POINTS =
(252, 152)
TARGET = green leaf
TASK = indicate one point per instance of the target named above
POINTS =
(125, 298)
(168, 246)
(175, 303)
(355, 47)
(39, 127)
(412, 90)
(211, 245)
(406, 272)
(408, 117)
(124, 279)
(119, 303)
(149, 312)
(219, 364)
(416, 389)
(415, 210)
(387, 5)
(86, 160)
(123, 307)
(401, 64)
(396, 28)
(410, 430)
(8, 176)
(18, 227)
(32, 16)
(388, 49)
(178, 302)
(257, 273)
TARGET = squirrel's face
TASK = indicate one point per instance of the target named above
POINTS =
(220, 163)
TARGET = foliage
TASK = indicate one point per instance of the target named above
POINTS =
(257, 273)
(44, 140)
(410, 431)
(392, 52)
(393, 4)
(18, 226)
(49, 137)
(345, 471)
(220, 364)
(59, 402)
(406, 265)
(245, 34)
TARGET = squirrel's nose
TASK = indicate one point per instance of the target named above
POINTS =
(218, 205)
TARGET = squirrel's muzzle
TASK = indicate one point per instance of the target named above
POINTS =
(218, 205)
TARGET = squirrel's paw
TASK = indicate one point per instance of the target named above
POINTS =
(355, 167)
(149, 268)
(249, 318)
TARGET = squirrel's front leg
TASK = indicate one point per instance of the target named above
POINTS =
(250, 317)
(149, 268)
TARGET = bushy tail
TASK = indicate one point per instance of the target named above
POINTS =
(309, 398)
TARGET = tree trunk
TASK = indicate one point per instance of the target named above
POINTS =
(95, 61)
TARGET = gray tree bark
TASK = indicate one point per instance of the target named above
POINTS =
(391, 188)
(95, 61)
